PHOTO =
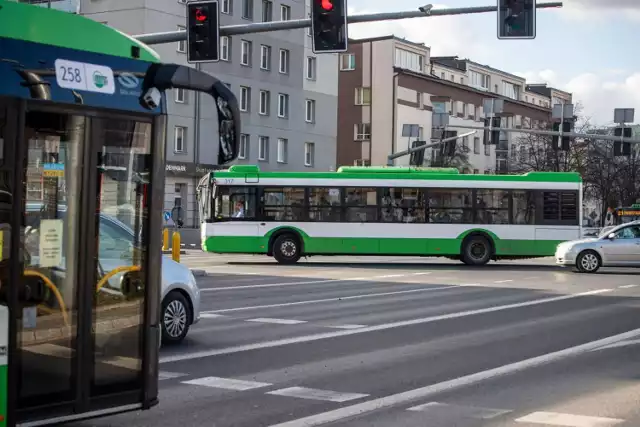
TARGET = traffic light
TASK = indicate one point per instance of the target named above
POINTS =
(516, 19)
(329, 26)
(566, 140)
(203, 31)
(492, 138)
(417, 157)
(622, 148)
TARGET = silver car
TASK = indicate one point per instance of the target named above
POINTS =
(180, 292)
(614, 247)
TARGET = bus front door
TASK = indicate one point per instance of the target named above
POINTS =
(81, 316)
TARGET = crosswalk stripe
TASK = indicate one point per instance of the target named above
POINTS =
(436, 408)
(277, 321)
(317, 394)
(226, 383)
(567, 420)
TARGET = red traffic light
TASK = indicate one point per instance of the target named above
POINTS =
(326, 4)
(201, 15)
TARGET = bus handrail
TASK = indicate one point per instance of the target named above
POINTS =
(49, 284)
(115, 271)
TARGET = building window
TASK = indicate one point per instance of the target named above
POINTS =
(363, 131)
(284, 61)
(180, 96)
(285, 12)
(245, 98)
(245, 53)
(311, 67)
(309, 153)
(347, 62)
(247, 9)
(363, 96)
(511, 90)
(479, 79)
(465, 144)
(182, 44)
(283, 105)
(409, 60)
(282, 150)
(265, 57)
(225, 6)
(263, 148)
(178, 139)
(310, 111)
(487, 150)
(224, 48)
(265, 97)
(442, 75)
(267, 11)
(461, 80)
(243, 150)
(476, 145)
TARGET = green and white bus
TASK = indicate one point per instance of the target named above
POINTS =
(82, 131)
(388, 211)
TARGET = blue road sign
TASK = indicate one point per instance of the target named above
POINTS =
(167, 215)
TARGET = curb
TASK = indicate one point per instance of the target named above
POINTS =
(182, 252)
(198, 273)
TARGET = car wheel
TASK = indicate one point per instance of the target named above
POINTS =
(176, 318)
(286, 249)
(476, 250)
(588, 262)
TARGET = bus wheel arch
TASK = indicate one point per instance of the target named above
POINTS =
(477, 248)
(286, 246)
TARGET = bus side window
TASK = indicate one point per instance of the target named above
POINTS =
(524, 207)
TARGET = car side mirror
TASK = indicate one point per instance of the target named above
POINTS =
(611, 236)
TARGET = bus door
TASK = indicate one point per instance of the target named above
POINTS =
(82, 320)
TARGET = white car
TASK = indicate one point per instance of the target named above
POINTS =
(180, 292)
(614, 247)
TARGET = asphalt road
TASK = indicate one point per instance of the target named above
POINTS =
(392, 342)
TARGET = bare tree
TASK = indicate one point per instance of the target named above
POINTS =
(443, 158)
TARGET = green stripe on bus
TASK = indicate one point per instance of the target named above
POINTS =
(4, 387)
(244, 171)
(378, 246)
(42, 25)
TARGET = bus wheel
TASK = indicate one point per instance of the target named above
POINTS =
(588, 262)
(476, 250)
(286, 249)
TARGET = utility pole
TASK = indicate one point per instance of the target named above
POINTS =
(264, 27)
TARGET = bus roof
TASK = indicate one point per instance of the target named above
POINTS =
(394, 172)
(57, 28)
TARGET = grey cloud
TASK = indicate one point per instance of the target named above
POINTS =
(604, 4)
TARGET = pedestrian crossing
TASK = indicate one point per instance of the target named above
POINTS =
(443, 413)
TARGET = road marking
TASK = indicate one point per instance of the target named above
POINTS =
(503, 281)
(567, 420)
(277, 321)
(437, 408)
(124, 362)
(345, 326)
(163, 375)
(317, 394)
(627, 286)
(310, 282)
(48, 349)
(382, 327)
(226, 383)
(530, 277)
(618, 344)
(446, 386)
(315, 301)
(210, 315)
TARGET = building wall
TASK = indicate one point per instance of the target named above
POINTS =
(382, 104)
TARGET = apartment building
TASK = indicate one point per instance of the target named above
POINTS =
(388, 82)
(287, 95)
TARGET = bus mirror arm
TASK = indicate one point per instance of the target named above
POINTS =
(173, 76)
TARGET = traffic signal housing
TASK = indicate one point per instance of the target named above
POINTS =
(203, 31)
(566, 140)
(516, 19)
(622, 148)
(329, 26)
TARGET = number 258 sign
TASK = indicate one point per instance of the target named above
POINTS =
(83, 76)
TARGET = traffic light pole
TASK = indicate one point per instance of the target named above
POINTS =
(551, 133)
(392, 157)
(264, 27)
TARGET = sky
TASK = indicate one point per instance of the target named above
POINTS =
(587, 47)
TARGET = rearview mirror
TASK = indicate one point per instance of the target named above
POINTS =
(611, 236)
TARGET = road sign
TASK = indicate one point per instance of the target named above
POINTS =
(167, 216)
